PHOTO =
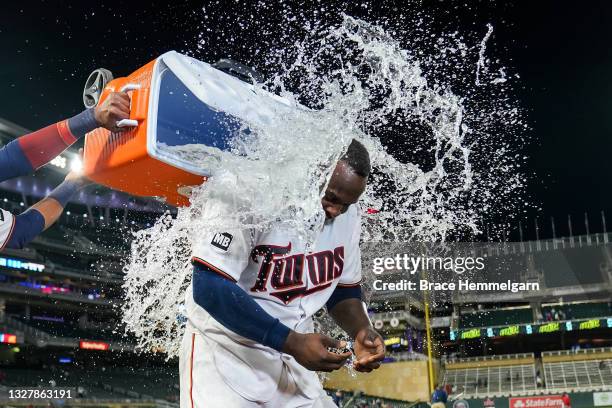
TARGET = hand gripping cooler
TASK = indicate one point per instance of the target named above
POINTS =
(176, 101)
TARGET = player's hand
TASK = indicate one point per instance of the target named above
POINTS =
(369, 350)
(114, 108)
(310, 350)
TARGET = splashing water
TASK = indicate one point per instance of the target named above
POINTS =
(480, 65)
(358, 80)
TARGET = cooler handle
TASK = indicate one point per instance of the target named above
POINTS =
(128, 122)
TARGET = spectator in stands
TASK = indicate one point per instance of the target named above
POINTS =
(439, 398)
(539, 382)
(26, 154)
(566, 400)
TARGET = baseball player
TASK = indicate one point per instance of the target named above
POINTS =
(26, 154)
(249, 340)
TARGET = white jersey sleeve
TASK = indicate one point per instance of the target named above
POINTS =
(351, 274)
(225, 252)
(7, 223)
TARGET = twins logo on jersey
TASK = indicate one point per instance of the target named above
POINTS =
(286, 273)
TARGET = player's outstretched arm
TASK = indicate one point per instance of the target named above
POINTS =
(43, 214)
(231, 306)
(349, 313)
(29, 152)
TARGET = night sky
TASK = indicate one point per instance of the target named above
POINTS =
(561, 50)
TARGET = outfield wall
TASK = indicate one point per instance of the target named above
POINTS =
(578, 400)
(404, 380)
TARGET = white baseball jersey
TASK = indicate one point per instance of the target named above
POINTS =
(287, 281)
(7, 223)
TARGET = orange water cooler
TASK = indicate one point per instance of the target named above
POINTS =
(177, 104)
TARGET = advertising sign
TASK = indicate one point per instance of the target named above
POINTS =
(547, 401)
(602, 399)
(93, 345)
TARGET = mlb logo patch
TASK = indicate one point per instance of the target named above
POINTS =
(222, 240)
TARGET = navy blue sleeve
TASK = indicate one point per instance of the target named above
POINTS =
(64, 192)
(27, 226)
(341, 293)
(231, 306)
(13, 161)
(82, 123)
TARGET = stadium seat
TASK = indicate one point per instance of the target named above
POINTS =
(492, 377)
(589, 370)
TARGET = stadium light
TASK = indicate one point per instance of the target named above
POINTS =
(76, 164)
(59, 161)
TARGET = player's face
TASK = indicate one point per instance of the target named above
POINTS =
(345, 187)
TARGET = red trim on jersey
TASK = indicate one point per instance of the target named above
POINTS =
(64, 131)
(349, 285)
(43, 145)
(191, 369)
(213, 268)
(8, 237)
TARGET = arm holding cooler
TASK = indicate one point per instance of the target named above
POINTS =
(26, 154)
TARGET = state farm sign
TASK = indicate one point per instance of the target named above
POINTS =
(548, 401)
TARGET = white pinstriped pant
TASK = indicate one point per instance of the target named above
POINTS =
(203, 387)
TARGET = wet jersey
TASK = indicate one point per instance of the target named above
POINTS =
(275, 268)
(289, 282)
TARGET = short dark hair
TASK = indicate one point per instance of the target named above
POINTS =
(358, 158)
